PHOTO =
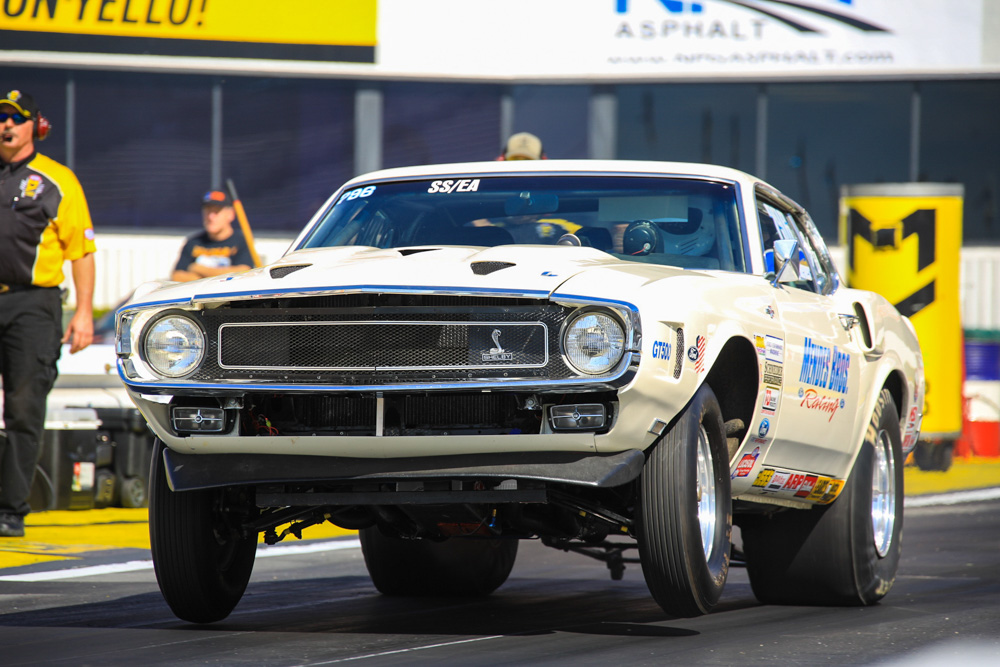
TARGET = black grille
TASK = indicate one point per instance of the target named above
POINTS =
(380, 339)
(373, 346)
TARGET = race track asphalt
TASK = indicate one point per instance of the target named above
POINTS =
(75, 536)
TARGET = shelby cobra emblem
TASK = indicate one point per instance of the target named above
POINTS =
(497, 353)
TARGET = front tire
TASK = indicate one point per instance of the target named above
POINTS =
(202, 563)
(454, 567)
(843, 554)
(684, 514)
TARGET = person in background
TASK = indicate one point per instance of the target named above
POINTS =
(523, 146)
(44, 221)
(216, 249)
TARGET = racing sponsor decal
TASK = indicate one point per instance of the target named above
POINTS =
(357, 193)
(793, 482)
(778, 480)
(763, 478)
(826, 490)
(661, 350)
(774, 349)
(772, 374)
(824, 367)
(770, 404)
(806, 487)
(758, 342)
(746, 463)
(801, 485)
(912, 430)
(454, 185)
(813, 400)
(765, 426)
(696, 353)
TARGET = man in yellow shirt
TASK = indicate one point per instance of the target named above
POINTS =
(44, 221)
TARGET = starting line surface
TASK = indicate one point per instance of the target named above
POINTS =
(936, 500)
(135, 565)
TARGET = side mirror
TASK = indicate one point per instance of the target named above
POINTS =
(786, 261)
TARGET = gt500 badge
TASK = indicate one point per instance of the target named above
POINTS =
(460, 185)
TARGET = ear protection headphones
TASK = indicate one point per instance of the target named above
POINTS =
(26, 106)
(42, 127)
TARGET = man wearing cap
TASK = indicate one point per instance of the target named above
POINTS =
(523, 146)
(216, 249)
(44, 221)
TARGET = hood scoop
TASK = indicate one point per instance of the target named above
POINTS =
(486, 268)
(282, 271)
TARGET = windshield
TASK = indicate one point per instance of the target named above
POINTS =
(681, 222)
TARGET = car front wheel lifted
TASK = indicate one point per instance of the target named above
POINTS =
(684, 513)
(201, 560)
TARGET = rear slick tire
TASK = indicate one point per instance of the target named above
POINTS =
(843, 554)
(424, 568)
(202, 565)
(684, 513)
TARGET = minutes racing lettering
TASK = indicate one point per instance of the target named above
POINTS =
(824, 367)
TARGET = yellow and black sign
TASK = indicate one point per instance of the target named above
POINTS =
(313, 30)
(903, 240)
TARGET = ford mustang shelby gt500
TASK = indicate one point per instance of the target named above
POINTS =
(600, 355)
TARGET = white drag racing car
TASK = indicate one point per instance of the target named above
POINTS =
(601, 355)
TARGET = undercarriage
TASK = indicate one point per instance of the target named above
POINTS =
(562, 516)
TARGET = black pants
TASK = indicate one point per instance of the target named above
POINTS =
(30, 333)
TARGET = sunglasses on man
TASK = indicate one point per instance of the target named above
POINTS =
(19, 119)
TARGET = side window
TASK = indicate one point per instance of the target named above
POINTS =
(826, 265)
(820, 277)
(778, 223)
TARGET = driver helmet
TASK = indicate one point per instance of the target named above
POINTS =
(693, 236)
(641, 238)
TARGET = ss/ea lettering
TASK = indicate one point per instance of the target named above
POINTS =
(459, 185)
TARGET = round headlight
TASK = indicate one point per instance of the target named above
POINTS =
(174, 345)
(594, 342)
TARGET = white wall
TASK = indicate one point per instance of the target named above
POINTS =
(125, 261)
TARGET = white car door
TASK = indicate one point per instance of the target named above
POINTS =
(821, 360)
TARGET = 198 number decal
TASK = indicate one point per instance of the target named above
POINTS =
(356, 194)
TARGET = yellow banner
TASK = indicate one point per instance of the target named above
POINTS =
(906, 247)
(303, 22)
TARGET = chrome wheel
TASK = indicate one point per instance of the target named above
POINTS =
(683, 515)
(883, 494)
(706, 493)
